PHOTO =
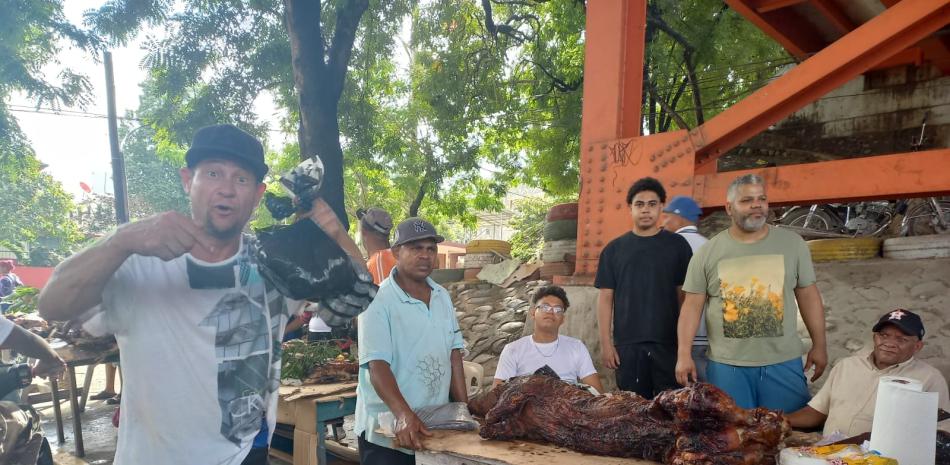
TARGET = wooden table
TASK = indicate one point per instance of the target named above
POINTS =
(75, 357)
(310, 408)
(466, 447)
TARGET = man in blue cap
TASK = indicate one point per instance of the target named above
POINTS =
(680, 216)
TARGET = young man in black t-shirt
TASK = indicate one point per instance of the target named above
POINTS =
(639, 276)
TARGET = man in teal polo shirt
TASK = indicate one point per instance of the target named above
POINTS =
(410, 349)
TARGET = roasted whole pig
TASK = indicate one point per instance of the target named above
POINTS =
(696, 425)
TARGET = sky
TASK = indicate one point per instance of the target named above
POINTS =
(76, 148)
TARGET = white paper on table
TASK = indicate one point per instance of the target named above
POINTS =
(905, 421)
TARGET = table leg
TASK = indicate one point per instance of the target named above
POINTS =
(57, 412)
(321, 443)
(86, 384)
(77, 415)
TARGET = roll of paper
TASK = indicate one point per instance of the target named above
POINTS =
(905, 421)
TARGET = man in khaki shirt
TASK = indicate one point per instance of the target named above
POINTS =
(846, 402)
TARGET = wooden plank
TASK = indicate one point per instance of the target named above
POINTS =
(279, 454)
(469, 445)
(291, 393)
(305, 448)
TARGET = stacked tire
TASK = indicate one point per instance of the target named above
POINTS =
(481, 252)
(833, 250)
(560, 241)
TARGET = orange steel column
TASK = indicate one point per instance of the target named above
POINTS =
(613, 91)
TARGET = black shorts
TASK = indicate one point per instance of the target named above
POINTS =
(647, 368)
(373, 454)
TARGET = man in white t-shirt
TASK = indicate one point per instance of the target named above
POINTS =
(198, 326)
(567, 356)
(680, 216)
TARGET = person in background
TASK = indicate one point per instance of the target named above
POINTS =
(8, 282)
(375, 225)
(680, 216)
(750, 279)
(639, 277)
(846, 401)
(410, 350)
(567, 356)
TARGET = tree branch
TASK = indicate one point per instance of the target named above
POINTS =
(341, 47)
(667, 108)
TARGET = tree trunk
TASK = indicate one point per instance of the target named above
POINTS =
(319, 75)
(420, 195)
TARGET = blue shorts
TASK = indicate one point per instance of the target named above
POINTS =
(781, 386)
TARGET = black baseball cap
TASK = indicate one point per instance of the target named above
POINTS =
(227, 141)
(415, 229)
(905, 320)
(376, 219)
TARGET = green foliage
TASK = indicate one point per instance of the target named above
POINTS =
(22, 300)
(528, 223)
(299, 357)
(154, 184)
(31, 35)
(35, 210)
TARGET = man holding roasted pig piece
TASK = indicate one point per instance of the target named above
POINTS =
(198, 324)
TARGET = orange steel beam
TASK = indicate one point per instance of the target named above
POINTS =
(615, 95)
(884, 36)
(781, 25)
(909, 174)
(834, 14)
(765, 6)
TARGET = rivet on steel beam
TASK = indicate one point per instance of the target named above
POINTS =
(586, 254)
(669, 147)
(599, 243)
(652, 157)
(603, 146)
(618, 206)
(586, 243)
(656, 169)
(618, 190)
(588, 209)
(665, 162)
(676, 143)
(600, 208)
(674, 184)
(590, 148)
(603, 167)
(602, 179)
(600, 190)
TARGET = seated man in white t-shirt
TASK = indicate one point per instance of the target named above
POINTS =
(567, 356)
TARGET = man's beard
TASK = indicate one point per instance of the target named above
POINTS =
(223, 234)
(747, 224)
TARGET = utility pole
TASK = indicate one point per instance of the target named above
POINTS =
(118, 161)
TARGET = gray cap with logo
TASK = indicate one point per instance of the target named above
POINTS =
(414, 229)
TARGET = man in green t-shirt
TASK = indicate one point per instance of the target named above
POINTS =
(749, 279)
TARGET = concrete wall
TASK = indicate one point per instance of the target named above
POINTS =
(877, 113)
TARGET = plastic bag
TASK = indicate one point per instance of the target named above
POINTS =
(451, 416)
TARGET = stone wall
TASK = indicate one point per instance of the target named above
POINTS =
(490, 317)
